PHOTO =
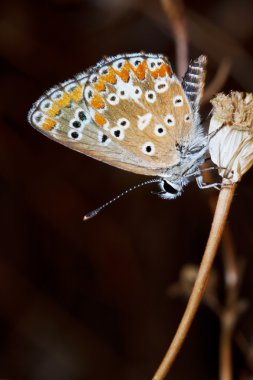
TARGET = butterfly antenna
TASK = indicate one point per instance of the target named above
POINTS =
(93, 213)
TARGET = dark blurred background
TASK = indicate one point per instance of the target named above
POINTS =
(90, 300)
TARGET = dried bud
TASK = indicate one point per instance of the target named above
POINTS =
(231, 134)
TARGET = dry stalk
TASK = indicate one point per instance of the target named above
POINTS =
(218, 225)
(175, 12)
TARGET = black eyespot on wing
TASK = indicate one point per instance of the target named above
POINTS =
(117, 133)
(82, 116)
(104, 138)
(76, 124)
(75, 135)
(148, 148)
(160, 130)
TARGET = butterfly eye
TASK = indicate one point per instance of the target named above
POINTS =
(169, 120)
(159, 63)
(150, 96)
(74, 135)
(178, 101)
(148, 148)
(187, 118)
(159, 130)
(113, 99)
(161, 86)
(123, 122)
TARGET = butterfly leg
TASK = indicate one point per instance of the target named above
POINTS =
(202, 185)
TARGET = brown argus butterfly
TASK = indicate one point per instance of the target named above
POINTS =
(132, 112)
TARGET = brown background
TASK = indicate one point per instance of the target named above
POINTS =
(89, 300)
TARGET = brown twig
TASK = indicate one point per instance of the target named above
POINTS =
(175, 12)
(219, 221)
(218, 81)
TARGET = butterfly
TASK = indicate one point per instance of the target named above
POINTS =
(132, 112)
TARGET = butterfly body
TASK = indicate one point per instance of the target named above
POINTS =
(132, 112)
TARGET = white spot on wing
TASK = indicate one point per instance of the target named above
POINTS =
(159, 130)
(143, 121)
(150, 96)
(178, 101)
(169, 120)
(123, 123)
(161, 86)
(112, 99)
(74, 135)
(148, 148)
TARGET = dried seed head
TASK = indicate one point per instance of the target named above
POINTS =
(231, 134)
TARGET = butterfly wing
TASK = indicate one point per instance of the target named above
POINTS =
(61, 115)
(141, 105)
(129, 111)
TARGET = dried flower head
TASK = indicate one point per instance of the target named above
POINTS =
(231, 134)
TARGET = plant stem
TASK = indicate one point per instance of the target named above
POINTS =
(175, 11)
(219, 221)
(226, 347)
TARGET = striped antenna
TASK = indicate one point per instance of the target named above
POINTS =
(93, 213)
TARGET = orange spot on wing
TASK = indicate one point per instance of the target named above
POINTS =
(97, 101)
(161, 71)
(48, 125)
(154, 73)
(110, 77)
(54, 110)
(99, 119)
(77, 94)
(165, 69)
(124, 73)
(100, 86)
(140, 71)
(64, 101)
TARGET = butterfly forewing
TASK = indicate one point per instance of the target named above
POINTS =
(142, 106)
